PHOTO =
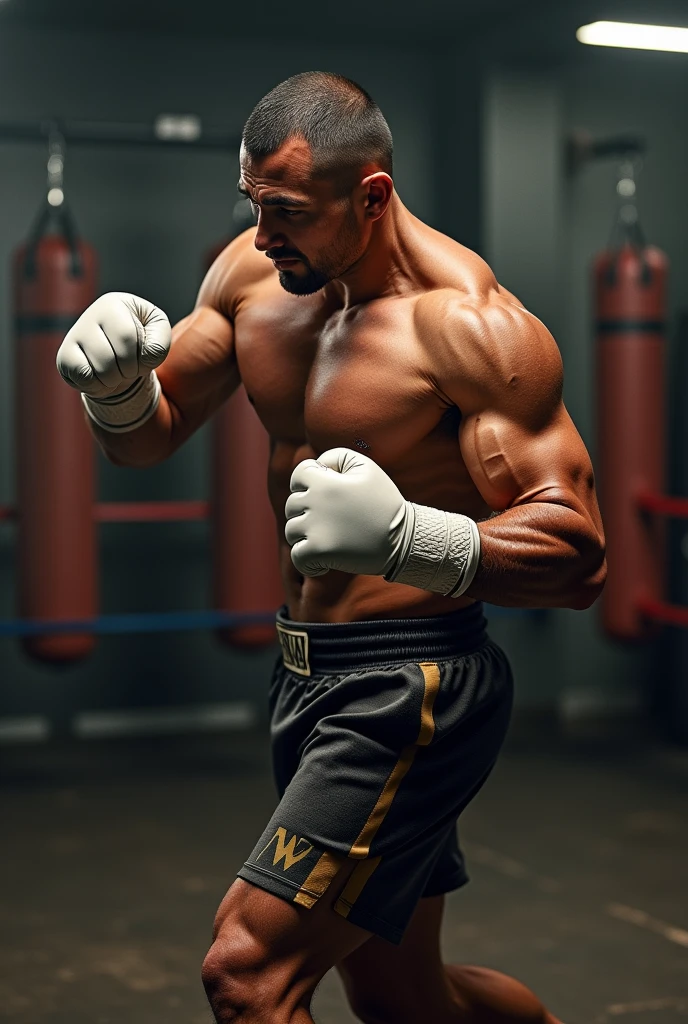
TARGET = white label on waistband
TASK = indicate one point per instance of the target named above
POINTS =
(294, 643)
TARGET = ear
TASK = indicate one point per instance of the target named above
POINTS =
(378, 189)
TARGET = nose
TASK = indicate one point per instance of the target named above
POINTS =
(264, 238)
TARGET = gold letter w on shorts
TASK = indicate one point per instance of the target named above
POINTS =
(286, 851)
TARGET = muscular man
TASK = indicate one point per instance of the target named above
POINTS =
(415, 413)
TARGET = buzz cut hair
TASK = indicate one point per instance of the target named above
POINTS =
(342, 124)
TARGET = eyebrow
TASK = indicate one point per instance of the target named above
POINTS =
(279, 200)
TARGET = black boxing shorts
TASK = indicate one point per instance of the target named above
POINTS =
(382, 732)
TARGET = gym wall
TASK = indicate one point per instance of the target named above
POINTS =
(479, 153)
(151, 216)
(541, 228)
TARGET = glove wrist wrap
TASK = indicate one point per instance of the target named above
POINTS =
(443, 552)
(128, 410)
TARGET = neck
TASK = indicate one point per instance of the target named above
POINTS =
(386, 266)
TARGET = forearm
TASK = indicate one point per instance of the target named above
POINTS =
(148, 444)
(539, 555)
(345, 513)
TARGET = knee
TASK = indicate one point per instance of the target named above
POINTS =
(232, 965)
(238, 981)
(244, 983)
(226, 985)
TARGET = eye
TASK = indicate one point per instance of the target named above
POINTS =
(290, 213)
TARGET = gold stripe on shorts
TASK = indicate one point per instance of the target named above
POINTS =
(354, 886)
(319, 879)
(431, 675)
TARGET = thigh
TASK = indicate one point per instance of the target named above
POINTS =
(404, 982)
(289, 948)
(284, 927)
(286, 728)
(385, 761)
(341, 748)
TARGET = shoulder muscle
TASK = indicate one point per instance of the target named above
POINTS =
(493, 354)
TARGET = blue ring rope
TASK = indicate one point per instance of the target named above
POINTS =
(169, 622)
(136, 622)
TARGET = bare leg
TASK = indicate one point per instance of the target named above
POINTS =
(268, 954)
(405, 984)
(493, 998)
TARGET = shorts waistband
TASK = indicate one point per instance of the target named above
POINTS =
(310, 648)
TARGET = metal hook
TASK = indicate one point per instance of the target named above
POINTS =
(628, 170)
(56, 161)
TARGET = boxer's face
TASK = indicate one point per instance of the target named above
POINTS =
(311, 232)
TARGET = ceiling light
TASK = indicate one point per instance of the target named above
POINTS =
(178, 127)
(635, 37)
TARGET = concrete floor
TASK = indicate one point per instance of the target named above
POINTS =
(114, 858)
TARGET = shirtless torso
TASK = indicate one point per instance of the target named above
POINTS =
(322, 377)
(444, 380)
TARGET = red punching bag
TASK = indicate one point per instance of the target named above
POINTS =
(630, 292)
(246, 571)
(54, 282)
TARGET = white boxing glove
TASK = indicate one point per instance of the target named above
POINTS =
(110, 355)
(345, 513)
(349, 516)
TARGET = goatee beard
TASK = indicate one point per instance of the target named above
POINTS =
(304, 284)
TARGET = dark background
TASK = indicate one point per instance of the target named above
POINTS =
(481, 98)
(115, 853)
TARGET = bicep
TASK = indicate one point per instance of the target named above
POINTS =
(516, 436)
(200, 372)
(513, 463)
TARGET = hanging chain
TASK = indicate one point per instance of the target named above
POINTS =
(56, 160)
(626, 189)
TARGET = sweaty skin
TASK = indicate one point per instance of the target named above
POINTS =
(416, 357)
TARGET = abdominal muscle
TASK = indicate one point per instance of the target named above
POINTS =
(340, 597)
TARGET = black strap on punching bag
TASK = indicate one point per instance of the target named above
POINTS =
(47, 215)
(28, 323)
